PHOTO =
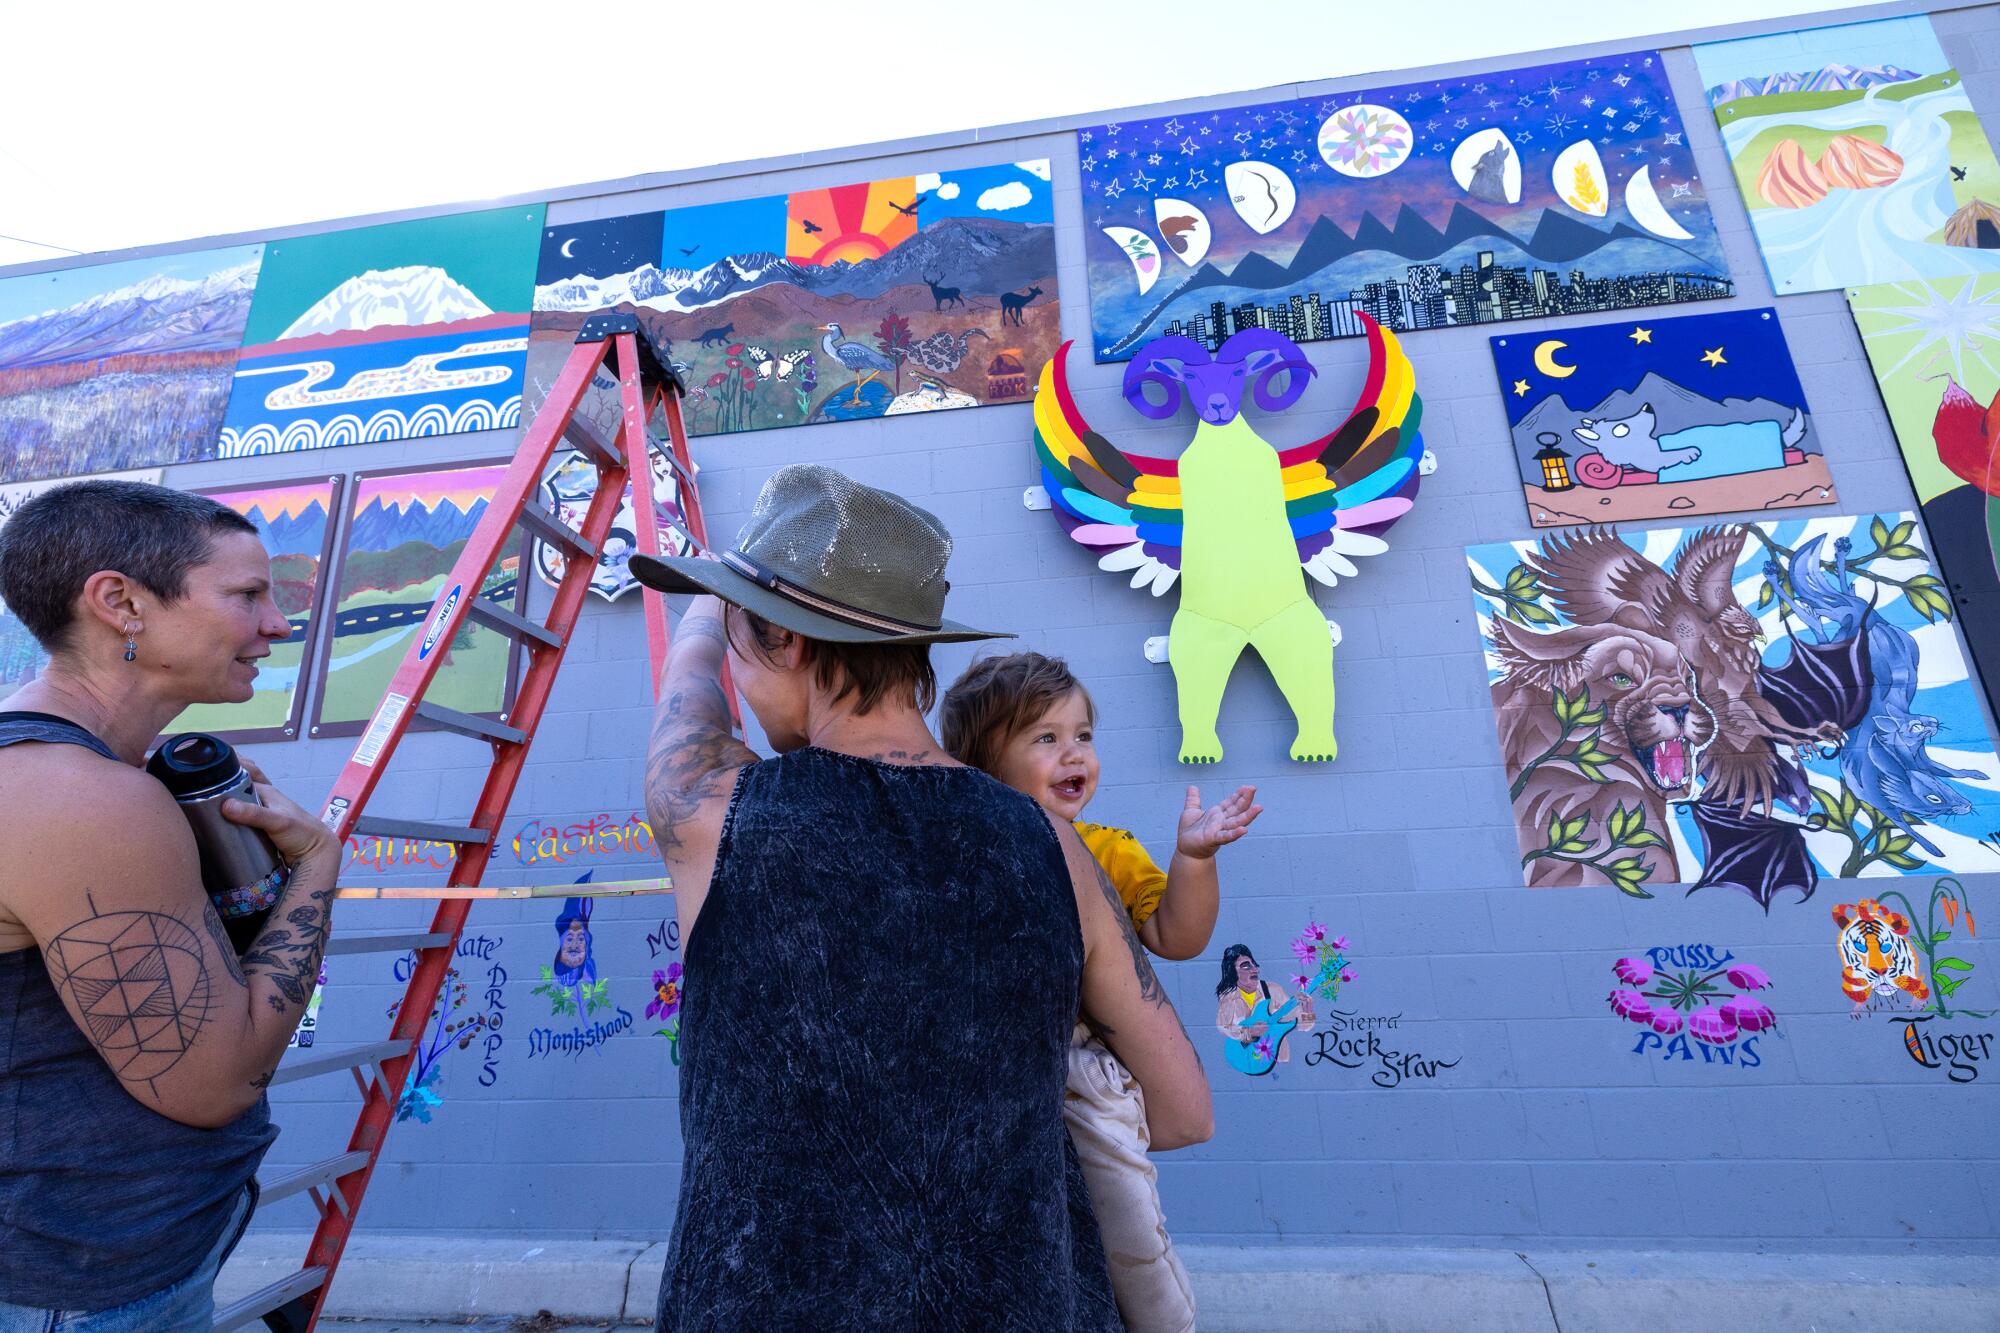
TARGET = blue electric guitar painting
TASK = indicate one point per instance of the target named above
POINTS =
(1245, 1056)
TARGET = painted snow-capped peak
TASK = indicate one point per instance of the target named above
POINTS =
(413, 295)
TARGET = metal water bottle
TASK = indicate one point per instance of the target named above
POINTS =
(240, 869)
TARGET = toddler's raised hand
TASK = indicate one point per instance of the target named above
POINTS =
(1203, 832)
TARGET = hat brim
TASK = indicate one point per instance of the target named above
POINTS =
(683, 573)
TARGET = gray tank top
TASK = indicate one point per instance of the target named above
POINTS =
(102, 1200)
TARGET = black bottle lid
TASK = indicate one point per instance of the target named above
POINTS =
(193, 762)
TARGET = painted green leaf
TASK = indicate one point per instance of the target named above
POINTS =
(1953, 965)
(1941, 937)
(1878, 531)
(1947, 985)
(1537, 614)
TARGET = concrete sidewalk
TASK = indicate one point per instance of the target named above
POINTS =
(412, 1278)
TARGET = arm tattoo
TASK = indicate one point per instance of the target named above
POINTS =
(213, 923)
(141, 985)
(691, 744)
(290, 954)
(1149, 983)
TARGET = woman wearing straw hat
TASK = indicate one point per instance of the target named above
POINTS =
(880, 1142)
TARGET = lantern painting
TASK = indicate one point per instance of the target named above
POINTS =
(1555, 463)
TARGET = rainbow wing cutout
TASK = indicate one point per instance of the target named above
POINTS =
(1344, 490)
(1126, 507)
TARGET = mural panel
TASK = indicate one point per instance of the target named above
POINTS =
(1658, 418)
(1859, 157)
(120, 365)
(879, 298)
(1560, 189)
(386, 333)
(1747, 706)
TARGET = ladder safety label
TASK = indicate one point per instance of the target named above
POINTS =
(438, 621)
(385, 720)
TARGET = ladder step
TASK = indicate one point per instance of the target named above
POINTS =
(556, 532)
(586, 438)
(306, 1177)
(243, 1313)
(291, 1071)
(423, 831)
(497, 617)
(386, 943)
(470, 724)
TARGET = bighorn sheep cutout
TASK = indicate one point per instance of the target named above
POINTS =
(1236, 521)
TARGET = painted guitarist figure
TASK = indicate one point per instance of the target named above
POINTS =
(1257, 1016)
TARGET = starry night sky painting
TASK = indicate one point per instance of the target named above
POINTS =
(1563, 189)
(1660, 418)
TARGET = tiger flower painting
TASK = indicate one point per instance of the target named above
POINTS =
(1741, 705)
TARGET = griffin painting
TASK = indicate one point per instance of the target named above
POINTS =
(1737, 705)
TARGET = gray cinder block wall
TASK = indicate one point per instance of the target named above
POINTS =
(1494, 1099)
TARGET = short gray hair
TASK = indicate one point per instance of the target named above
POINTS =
(58, 539)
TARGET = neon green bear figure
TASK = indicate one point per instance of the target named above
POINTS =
(1237, 522)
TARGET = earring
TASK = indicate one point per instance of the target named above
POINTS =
(131, 645)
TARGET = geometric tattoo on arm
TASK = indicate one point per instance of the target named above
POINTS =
(139, 982)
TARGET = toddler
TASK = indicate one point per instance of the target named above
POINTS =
(1027, 721)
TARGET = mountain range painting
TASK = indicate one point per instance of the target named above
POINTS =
(879, 298)
(1660, 418)
(407, 531)
(386, 333)
(1561, 189)
(120, 366)
(1859, 157)
(1935, 349)
(295, 522)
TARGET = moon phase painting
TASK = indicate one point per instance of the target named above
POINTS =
(1858, 154)
(1564, 189)
(840, 302)
(1659, 418)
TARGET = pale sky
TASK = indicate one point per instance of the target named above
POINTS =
(126, 124)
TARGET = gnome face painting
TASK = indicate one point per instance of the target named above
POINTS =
(1561, 189)
(1653, 418)
(1745, 705)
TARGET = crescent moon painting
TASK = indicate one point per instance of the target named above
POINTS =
(1263, 195)
(1184, 228)
(1642, 201)
(1545, 359)
(1138, 248)
(566, 251)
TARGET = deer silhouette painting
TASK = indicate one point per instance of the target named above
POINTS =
(1013, 303)
(715, 337)
(943, 296)
(1236, 521)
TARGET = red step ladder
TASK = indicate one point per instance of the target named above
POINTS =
(645, 384)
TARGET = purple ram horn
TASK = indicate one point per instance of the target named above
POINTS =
(1155, 365)
(1266, 352)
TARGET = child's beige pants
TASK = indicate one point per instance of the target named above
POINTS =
(1106, 1114)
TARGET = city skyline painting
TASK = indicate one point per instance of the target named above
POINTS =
(1560, 189)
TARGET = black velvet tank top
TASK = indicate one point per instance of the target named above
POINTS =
(880, 992)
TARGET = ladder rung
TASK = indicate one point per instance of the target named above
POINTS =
(386, 943)
(470, 724)
(497, 617)
(585, 437)
(423, 831)
(293, 1070)
(306, 1177)
(552, 529)
(257, 1304)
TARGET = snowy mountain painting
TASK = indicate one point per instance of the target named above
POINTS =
(878, 298)
(386, 333)
(120, 366)
(1546, 191)
(1859, 157)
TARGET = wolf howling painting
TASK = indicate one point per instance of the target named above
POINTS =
(877, 298)
(1747, 706)
(1564, 189)
(120, 365)
(1659, 418)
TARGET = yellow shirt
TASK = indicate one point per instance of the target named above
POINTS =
(1139, 882)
